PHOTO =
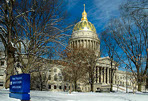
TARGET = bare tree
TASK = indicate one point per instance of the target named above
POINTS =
(8, 20)
(91, 60)
(130, 33)
(39, 76)
(73, 60)
(36, 26)
(110, 48)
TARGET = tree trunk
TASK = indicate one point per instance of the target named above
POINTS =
(139, 86)
(92, 83)
(70, 88)
(139, 79)
(92, 87)
(111, 84)
(41, 82)
(9, 68)
(75, 85)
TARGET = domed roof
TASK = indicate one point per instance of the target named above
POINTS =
(84, 25)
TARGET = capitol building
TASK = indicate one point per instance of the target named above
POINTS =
(84, 34)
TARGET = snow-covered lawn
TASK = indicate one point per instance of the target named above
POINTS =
(75, 96)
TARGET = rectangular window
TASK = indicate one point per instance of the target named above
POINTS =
(49, 78)
(1, 72)
(55, 70)
(49, 86)
(60, 78)
(1, 83)
(60, 87)
(55, 87)
(2, 63)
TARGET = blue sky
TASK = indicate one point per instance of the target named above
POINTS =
(99, 12)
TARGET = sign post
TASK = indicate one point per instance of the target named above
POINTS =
(20, 87)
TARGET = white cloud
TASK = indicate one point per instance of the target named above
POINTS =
(71, 3)
(103, 11)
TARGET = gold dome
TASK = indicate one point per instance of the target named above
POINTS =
(84, 24)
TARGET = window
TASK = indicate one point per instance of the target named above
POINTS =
(60, 78)
(59, 74)
(49, 86)
(1, 74)
(55, 77)
(2, 63)
(55, 87)
(49, 70)
(49, 78)
(1, 83)
(65, 87)
(60, 87)
(55, 70)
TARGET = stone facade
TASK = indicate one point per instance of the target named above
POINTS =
(55, 80)
(2, 69)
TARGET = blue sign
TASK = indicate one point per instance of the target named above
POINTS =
(20, 86)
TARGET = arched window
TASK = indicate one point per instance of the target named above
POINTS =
(60, 76)
(49, 78)
(55, 77)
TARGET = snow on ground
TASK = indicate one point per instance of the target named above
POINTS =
(75, 96)
(122, 89)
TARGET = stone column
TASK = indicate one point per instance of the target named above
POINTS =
(88, 44)
(114, 76)
(76, 43)
(98, 73)
(84, 43)
(101, 75)
(72, 45)
(92, 44)
(104, 75)
(108, 75)
(96, 45)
